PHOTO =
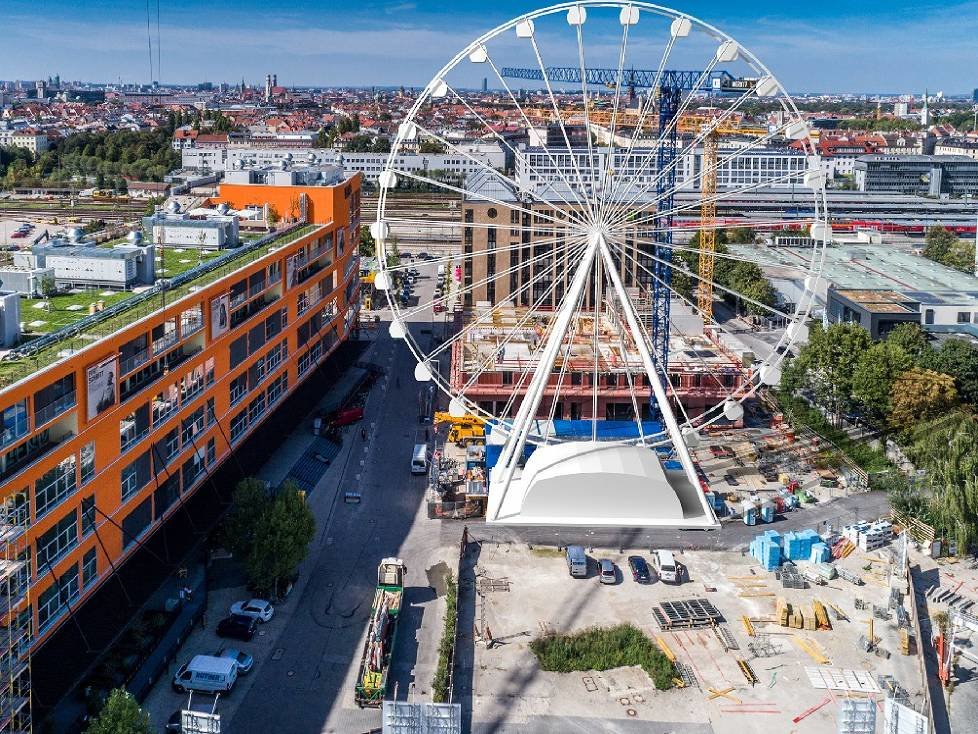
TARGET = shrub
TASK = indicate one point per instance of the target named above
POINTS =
(441, 683)
(603, 649)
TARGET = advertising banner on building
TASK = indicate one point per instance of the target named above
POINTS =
(101, 381)
(220, 315)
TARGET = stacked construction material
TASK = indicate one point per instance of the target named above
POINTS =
(825, 570)
(821, 553)
(821, 616)
(766, 549)
(782, 611)
(798, 546)
(869, 536)
(767, 511)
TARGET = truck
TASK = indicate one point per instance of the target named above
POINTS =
(465, 429)
(378, 648)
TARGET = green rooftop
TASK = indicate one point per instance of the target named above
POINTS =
(62, 320)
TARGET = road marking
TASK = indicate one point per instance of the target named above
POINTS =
(361, 463)
(277, 655)
(357, 477)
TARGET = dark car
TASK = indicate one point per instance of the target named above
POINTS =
(238, 626)
(175, 723)
(640, 570)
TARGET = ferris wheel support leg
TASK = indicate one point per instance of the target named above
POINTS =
(658, 390)
(502, 473)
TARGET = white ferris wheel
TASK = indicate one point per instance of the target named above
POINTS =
(590, 305)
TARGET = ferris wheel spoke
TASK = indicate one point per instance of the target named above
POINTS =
(506, 180)
(716, 198)
(609, 164)
(489, 278)
(588, 208)
(664, 134)
(565, 361)
(586, 102)
(713, 284)
(624, 209)
(530, 313)
(517, 154)
(464, 192)
(529, 126)
(535, 354)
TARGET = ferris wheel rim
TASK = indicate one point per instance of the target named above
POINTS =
(803, 308)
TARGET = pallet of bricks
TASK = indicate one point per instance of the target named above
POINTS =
(869, 536)
(793, 617)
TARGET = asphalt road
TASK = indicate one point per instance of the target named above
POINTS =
(307, 684)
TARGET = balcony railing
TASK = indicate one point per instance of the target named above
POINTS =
(34, 456)
(53, 409)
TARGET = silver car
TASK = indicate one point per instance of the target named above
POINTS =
(607, 573)
(244, 660)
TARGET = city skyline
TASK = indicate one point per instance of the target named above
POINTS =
(828, 50)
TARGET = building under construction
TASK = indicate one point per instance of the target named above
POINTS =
(499, 348)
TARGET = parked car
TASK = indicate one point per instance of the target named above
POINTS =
(244, 660)
(174, 725)
(640, 570)
(607, 572)
(238, 626)
(666, 567)
(258, 608)
(423, 256)
(207, 674)
(731, 480)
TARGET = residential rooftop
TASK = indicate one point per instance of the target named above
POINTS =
(83, 329)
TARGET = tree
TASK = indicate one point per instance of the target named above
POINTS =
(282, 538)
(944, 247)
(959, 359)
(873, 376)
(47, 286)
(322, 139)
(250, 501)
(273, 216)
(120, 715)
(827, 363)
(920, 395)
(430, 146)
(911, 339)
(368, 247)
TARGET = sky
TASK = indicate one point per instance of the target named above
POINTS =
(892, 46)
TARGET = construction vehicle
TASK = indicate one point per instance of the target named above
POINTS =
(375, 661)
(464, 430)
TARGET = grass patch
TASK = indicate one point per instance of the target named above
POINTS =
(604, 648)
(862, 454)
(547, 552)
(441, 684)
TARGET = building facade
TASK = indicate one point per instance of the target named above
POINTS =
(923, 175)
(101, 444)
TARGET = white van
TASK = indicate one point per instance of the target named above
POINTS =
(665, 566)
(206, 673)
(419, 459)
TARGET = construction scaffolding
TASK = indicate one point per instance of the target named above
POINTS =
(15, 688)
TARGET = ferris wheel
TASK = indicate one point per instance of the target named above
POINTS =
(577, 226)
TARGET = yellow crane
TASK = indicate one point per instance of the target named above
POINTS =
(708, 232)
(464, 430)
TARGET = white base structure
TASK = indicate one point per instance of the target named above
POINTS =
(599, 483)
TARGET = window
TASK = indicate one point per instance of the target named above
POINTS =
(135, 476)
(164, 335)
(191, 320)
(211, 412)
(209, 371)
(239, 424)
(255, 408)
(239, 350)
(192, 468)
(14, 423)
(211, 451)
(55, 599)
(964, 317)
(87, 455)
(54, 399)
(56, 485)
(87, 515)
(134, 427)
(166, 494)
(192, 425)
(238, 388)
(136, 522)
(57, 541)
(165, 403)
(192, 384)
(929, 316)
(89, 567)
(278, 388)
(165, 450)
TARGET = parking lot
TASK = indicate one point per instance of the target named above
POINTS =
(524, 593)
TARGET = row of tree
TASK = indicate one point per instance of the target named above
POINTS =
(922, 397)
(103, 157)
(943, 246)
(746, 278)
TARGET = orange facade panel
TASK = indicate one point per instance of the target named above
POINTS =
(105, 444)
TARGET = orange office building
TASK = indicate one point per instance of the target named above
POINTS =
(109, 425)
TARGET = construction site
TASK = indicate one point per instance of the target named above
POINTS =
(828, 646)
(498, 348)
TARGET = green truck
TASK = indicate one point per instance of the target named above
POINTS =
(378, 648)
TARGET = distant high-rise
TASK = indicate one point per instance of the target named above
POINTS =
(485, 85)
(274, 80)
(974, 96)
(268, 87)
